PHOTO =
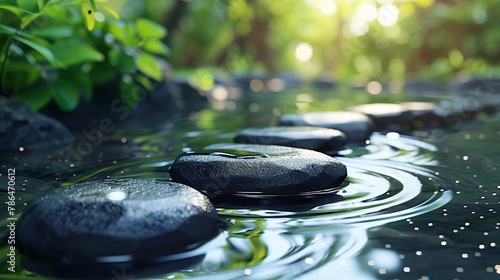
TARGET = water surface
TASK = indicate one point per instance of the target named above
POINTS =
(414, 205)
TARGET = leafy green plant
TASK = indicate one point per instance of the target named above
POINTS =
(60, 49)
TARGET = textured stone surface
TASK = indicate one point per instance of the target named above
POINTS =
(87, 229)
(398, 116)
(357, 126)
(479, 85)
(306, 137)
(22, 127)
(382, 113)
(257, 169)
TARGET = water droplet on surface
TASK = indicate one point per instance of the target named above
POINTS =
(116, 195)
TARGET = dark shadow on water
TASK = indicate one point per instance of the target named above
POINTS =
(285, 204)
(109, 269)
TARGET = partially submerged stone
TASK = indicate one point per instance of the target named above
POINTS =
(394, 115)
(399, 116)
(357, 126)
(306, 137)
(382, 113)
(478, 85)
(246, 169)
(89, 229)
(22, 127)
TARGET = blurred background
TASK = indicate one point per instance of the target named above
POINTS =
(384, 40)
(376, 44)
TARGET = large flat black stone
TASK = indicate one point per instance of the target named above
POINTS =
(306, 137)
(22, 127)
(406, 115)
(246, 169)
(357, 126)
(89, 229)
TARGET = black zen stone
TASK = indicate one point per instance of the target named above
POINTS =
(22, 127)
(249, 169)
(357, 126)
(479, 85)
(383, 113)
(88, 230)
(306, 137)
(407, 115)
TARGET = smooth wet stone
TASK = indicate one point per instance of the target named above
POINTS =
(22, 127)
(89, 229)
(417, 86)
(399, 116)
(324, 83)
(194, 98)
(382, 113)
(479, 85)
(248, 169)
(356, 126)
(306, 137)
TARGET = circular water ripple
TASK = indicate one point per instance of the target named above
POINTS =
(253, 252)
(377, 192)
(265, 244)
(275, 244)
(395, 147)
(270, 238)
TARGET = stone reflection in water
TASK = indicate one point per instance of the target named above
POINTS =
(305, 137)
(378, 225)
(254, 252)
(293, 243)
(89, 229)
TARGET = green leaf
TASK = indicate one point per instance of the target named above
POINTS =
(26, 20)
(149, 66)
(41, 4)
(21, 74)
(44, 51)
(130, 93)
(71, 53)
(66, 95)
(124, 63)
(102, 72)
(80, 80)
(88, 11)
(7, 29)
(148, 29)
(19, 7)
(92, 4)
(28, 5)
(156, 47)
(145, 82)
(36, 97)
(110, 10)
(62, 31)
(18, 12)
(124, 33)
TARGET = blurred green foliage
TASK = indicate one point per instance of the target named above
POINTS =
(346, 40)
(61, 49)
(48, 53)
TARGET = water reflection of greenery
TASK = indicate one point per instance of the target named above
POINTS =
(251, 249)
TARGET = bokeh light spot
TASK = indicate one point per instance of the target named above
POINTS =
(388, 15)
(303, 52)
(374, 87)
